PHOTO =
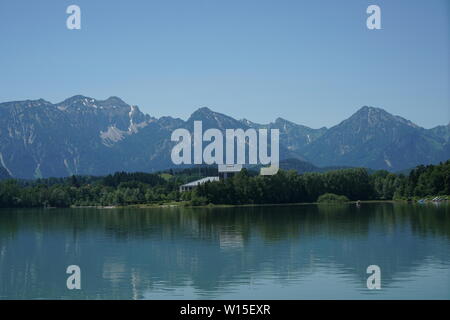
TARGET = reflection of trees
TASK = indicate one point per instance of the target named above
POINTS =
(130, 250)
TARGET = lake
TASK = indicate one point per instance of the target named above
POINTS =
(273, 252)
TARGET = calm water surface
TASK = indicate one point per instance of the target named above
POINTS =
(291, 252)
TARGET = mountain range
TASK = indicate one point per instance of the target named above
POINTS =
(82, 135)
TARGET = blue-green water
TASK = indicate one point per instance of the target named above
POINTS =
(290, 252)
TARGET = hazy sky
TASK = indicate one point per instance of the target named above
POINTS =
(312, 62)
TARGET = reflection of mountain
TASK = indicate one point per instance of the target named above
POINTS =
(127, 252)
(82, 135)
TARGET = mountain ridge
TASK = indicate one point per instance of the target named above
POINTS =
(83, 135)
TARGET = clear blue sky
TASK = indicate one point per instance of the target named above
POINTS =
(313, 62)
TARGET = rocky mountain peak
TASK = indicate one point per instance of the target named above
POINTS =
(212, 119)
(283, 121)
(203, 112)
(376, 117)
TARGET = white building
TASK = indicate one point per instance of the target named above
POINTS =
(191, 185)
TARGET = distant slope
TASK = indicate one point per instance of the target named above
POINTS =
(374, 138)
(441, 133)
(298, 165)
(40, 139)
(4, 174)
(294, 136)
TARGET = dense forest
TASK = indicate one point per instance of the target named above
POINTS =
(355, 184)
(246, 187)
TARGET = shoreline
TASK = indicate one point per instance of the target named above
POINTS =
(181, 205)
(185, 205)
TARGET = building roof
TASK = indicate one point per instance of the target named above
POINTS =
(230, 167)
(201, 181)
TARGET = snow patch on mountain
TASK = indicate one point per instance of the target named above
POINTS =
(135, 126)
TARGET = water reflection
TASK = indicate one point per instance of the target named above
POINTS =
(264, 252)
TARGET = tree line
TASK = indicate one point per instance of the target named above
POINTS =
(355, 184)
(122, 188)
